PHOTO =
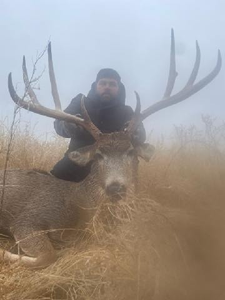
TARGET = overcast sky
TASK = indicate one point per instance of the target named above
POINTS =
(131, 36)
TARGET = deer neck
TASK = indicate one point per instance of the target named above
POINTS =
(88, 192)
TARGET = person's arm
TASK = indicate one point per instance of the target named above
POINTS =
(64, 128)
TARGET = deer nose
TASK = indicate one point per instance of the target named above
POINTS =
(116, 189)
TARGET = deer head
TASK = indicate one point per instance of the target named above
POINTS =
(113, 156)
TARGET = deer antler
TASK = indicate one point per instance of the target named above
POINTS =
(189, 89)
(56, 113)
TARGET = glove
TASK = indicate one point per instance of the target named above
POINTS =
(71, 129)
(66, 129)
(139, 136)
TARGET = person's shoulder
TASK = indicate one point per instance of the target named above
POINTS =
(74, 106)
(128, 109)
(75, 102)
(77, 98)
(125, 112)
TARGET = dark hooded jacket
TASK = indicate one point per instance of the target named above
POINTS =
(108, 118)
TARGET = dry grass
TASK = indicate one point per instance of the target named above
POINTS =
(164, 244)
(29, 151)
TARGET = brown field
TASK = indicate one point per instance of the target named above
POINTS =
(166, 243)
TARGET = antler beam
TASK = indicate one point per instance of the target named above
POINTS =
(189, 89)
(34, 105)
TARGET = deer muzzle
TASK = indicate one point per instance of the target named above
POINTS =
(116, 191)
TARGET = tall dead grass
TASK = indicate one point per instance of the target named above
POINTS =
(165, 243)
(27, 150)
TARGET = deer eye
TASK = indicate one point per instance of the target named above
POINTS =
(98, 156)
(131, 152)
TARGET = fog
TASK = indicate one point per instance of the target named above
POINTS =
(132, 37)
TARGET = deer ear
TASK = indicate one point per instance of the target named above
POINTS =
(82, 156)
(145, 151)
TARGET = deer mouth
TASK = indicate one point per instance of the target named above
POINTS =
(117, 197)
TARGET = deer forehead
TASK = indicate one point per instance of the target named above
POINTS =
(115, 146)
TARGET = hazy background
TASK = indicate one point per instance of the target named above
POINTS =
(133, 37)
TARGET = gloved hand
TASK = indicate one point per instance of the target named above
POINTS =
(71, 129)
(139, 136)
(68, 130)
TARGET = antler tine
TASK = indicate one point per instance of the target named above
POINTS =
(27, 83)
(36, 107)
(189, 89)
(172, 71)
(13, 93)
(138, 104)
(39, 109)
(135, 121)
(54, 88)
(195, 70)
(88, 124)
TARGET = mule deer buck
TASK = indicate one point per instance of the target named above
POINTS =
(36, 204)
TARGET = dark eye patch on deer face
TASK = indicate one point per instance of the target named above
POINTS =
(131, 153)
(98, 156)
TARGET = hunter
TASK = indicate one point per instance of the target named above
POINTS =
(105, 104)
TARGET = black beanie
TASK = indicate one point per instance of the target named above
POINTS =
(108, 73)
